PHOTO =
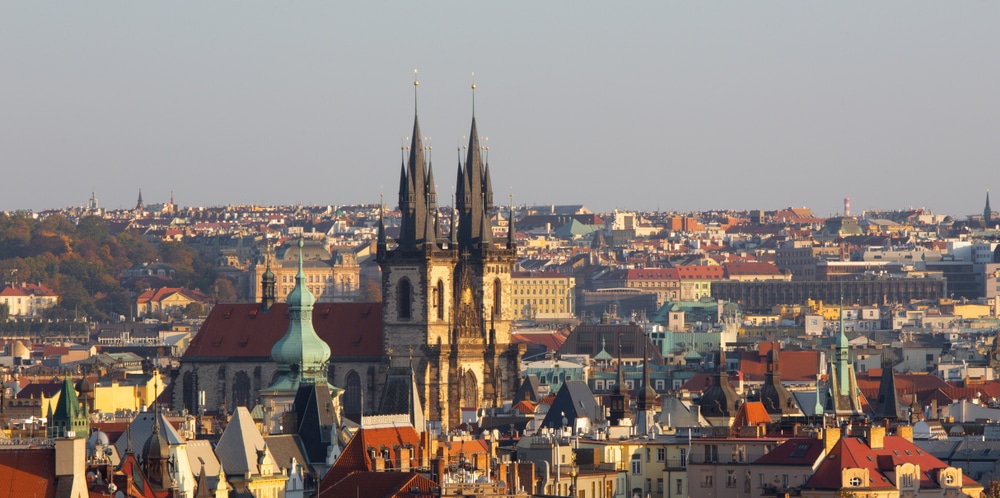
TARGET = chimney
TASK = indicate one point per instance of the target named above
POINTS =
(906, 432)
(830, 437)
(71, 458)
(404, 459)
(876, 437)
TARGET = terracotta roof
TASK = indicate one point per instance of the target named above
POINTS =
(244, 331)
(28, 472)
(751, 413)
(796, 366)
(854, 452)
(551, 342)
(380, 485)
(697, 272)
(523, 407)
(356, 458)
(750, 268)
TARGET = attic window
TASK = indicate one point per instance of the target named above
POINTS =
(244, 341)
(253, 313)
(326, 311)
(227, 314)
(218, 342)
(364, 314)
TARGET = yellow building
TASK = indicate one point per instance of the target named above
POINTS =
(129, 394)
(331, 277)
(543, 295)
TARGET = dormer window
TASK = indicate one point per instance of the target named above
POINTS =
(855, 481)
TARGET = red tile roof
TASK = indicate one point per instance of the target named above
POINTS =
(739, 268)
(244, 331)
(697, 272)
(795, 366)
(379, 485)
(750, 414)
(356, 458)
(854, 452)
(28, 472)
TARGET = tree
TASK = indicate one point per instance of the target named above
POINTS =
(194, 309)
(372, 292)
(223, 291)
(992, 490)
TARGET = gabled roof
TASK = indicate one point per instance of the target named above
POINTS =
(245, 332)
(574, 400)
(239, 444)
(751, 414)
(379, 485)
(796, 366)
(356, 457)
(854, 452)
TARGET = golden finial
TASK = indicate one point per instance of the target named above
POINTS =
(473, 95)
(415, 82)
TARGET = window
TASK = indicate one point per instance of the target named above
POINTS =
(636, 464)
(679, 486)
(706, 479)
(403, 304)
(949, 479)
(711, 453)
(684, 457)
(730, 478)
(855, 481)
(661, 454)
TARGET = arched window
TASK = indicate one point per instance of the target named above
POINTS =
(439, 299)
(352, 394)
(470, 391)
(404, 296)
(191, 391)
(241, 389)
(496, 297)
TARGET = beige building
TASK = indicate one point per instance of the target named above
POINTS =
(331, 277)
(27, 300)
(542, 294)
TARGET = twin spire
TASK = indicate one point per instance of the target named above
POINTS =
(419, 226)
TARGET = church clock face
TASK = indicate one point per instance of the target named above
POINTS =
(467, 296)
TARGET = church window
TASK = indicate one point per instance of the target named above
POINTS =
(403, 305)
(439, 299)
(352, 394)
(241, 389)
(496, 297)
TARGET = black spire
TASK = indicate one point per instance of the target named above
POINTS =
(381, 244)
(510, 228)
(267, 285)
(987, 212)
(619, 395)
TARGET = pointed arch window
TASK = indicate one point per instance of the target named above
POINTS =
(496, 298)
(439, 299)
(404, 306)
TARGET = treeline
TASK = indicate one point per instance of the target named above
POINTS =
(83, 263)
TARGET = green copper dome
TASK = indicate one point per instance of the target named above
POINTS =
(301, 351)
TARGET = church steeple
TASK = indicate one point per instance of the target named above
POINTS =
(417, 197)
(300, 354)
(267, 285)
(987, 211)
(619, 410)
(645, 404)
(381, 242)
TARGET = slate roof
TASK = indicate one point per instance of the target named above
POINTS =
(244, 332)
(795, 451)
(238, 446)
(575, 400)
(284, 447)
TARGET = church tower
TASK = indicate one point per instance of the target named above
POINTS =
(843, 394)
(987, 211)
(446, 306)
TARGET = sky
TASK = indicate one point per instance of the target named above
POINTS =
(666, 105)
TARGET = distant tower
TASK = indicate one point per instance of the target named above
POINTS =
(619, 398)
(138, 204)
(93, 204)
(844, 395)
(987, 212)
(847, 206)
(267, 285)
(646, 402)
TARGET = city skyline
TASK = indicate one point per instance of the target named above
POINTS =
(674, 107)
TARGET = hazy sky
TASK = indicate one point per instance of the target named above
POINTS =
(660, 105)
